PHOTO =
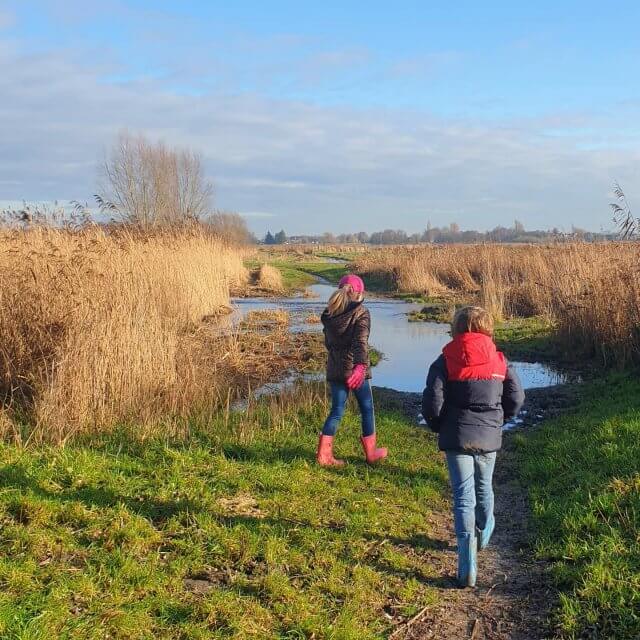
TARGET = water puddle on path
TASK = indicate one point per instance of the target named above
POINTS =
(335, 260)
(408, 347)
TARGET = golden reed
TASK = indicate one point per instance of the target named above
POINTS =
(104, 328)
(590, 292)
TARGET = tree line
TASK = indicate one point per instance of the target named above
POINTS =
(451, 234)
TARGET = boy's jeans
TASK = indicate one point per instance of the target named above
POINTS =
(339, 394)
(471, 476)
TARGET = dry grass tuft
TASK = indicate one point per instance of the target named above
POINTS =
(262, 318)
(278, 416)
(268, 278)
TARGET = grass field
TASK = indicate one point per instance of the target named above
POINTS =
(245, 537)
(210, 539)
(530, 340)
(583, 475)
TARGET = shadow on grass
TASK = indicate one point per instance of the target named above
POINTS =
(392, 472)
(267, 454)
(419, 542)
(438, 582)
(14, 476)
(422, 542)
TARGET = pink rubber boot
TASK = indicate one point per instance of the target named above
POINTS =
(324, 456)
(371, 453)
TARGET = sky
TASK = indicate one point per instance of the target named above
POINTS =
(335, 116)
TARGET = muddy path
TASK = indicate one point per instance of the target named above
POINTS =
(513, 599)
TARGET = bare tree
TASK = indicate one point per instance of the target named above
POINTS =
(231, 226)
(150, 184)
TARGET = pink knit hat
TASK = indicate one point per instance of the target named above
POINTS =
(355, 281)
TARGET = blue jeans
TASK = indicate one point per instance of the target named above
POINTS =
(339, 395)
(471, 482)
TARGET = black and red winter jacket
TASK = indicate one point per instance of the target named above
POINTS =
(471, 391)
(346, 337)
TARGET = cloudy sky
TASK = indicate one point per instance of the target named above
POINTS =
(339, 116)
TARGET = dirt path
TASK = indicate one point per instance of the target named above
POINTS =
(513, 598)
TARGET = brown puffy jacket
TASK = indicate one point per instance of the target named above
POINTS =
(346, 337)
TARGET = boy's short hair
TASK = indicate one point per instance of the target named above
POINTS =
(472, 319)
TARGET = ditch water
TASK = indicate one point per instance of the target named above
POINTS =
(408, 347)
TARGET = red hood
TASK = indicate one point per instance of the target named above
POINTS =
(473, 356)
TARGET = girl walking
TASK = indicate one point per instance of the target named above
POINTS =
(471, 391)
(347, 324)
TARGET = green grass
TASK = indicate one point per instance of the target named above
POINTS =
(380, 282)
(105, 539)
(434, 310)
(583, 474)
(375, 356)
(294, 278)
(300, 275)
(529, 340)
(327, 270)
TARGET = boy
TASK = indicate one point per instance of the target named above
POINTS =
(471, 391)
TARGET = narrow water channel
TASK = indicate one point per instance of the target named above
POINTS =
(408, 347)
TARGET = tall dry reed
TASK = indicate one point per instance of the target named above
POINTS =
(591, 292)
(268, 278)
(100, 328)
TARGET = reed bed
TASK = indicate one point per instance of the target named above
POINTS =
(102, 328)
(268, 278)
(590, 292)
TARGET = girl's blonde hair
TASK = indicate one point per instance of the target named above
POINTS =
(472, 319)
(340, 299)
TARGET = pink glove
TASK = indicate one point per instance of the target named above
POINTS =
(355, 380)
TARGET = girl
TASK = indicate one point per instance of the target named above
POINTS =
(346, 324)
(471, 391)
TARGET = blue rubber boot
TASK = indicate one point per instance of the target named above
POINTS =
(467, 560)
(484, 535)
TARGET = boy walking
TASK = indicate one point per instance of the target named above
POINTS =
(471, 391)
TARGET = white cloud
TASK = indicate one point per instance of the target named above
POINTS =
(261, 183)
(257, 214)
(315, 167)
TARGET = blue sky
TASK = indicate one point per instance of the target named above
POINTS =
(335, 116)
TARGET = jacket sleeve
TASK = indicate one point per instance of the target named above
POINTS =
(361, 338)
(433, 396)
(512, 394)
